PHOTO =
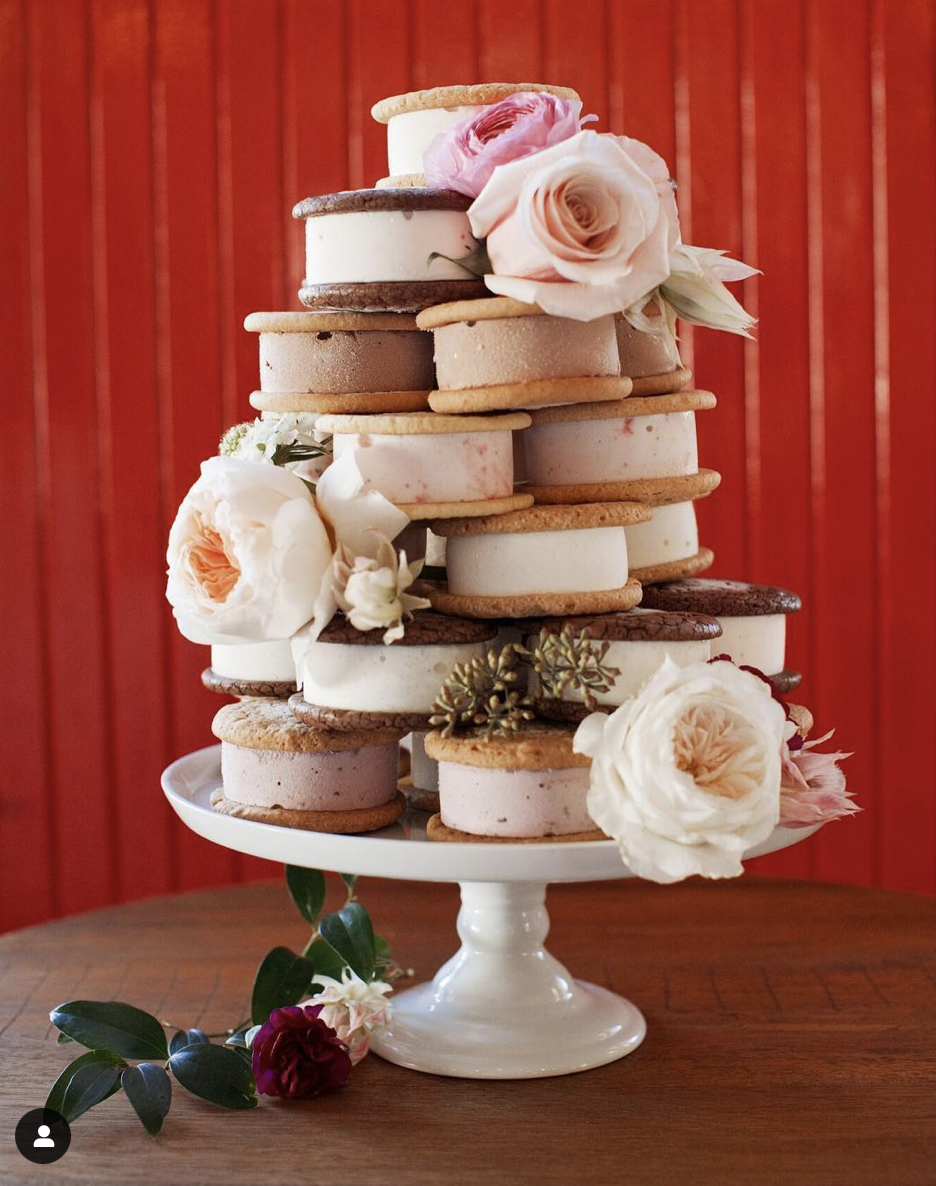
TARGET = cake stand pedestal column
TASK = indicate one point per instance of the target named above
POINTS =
(503, 1007)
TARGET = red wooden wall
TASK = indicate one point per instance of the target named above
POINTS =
(151, 151)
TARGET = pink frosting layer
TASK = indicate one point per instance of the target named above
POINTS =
(621, 450)
(344, 781)
(434, 467)
(514, 803)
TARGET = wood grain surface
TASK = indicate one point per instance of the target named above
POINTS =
(792, 1039)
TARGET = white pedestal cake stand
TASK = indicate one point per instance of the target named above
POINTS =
(502, 1007)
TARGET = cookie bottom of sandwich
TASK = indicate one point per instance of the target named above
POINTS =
(662, 384)
(396, 296)
(436, 830)
(352, 720)
(226, 685)
(417, 798)
(365, 819)
(350, 403)
(533, 605)
(688, 567)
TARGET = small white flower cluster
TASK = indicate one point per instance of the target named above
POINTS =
(289, 439)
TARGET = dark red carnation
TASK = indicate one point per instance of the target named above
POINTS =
(297, 1056)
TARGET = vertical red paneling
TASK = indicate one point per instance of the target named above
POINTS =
(445, 44)
(844, 536)
(905, 628)
(151, 151)
(77, 695)
(28, 868)
(511, 40)
(188, 325)
(573, 52)
(316, 145)
(128, 432)
(711, 34)
(379, 44)
(778, 520)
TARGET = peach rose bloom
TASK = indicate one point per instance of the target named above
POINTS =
(582, 229)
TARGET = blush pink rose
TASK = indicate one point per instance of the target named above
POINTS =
(464, 157)
(582, 229)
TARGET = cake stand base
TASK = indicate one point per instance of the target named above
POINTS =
(503, 1007)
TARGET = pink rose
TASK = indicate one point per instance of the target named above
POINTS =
(465, 156)
(581, 229)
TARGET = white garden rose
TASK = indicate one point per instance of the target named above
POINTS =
(685, 776)
(247, 554)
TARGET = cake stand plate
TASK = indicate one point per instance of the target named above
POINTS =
(502, 1007)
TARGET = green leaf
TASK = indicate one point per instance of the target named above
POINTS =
(182, 1038)
(149, 1090)
(327, 961)
(350, 880)
(350, 933)
(114, 1026)
(381, 947)
(215, 1074)
(307, 889)
(238, 1038)
(283, 978)
(92, 1058)
(63, 1038)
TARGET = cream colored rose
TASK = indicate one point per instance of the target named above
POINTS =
(247, 554)
(582, 229)
(372, 591)
(685, 776)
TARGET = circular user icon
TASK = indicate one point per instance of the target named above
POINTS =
(42, 1136)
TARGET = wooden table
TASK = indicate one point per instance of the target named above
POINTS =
(792, 1039)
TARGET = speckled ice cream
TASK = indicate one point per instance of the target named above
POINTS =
(642, 353)
(514, 803)
(672, 534)
(521, 349)
(434, 467)
(756, 641)
(310, 781)
(340, 361)
(615, 450)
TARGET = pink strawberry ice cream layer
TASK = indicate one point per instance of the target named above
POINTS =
(644, 354)
(434, 467)
(343, 781)
(514, 803)
(521, 349)
(630, 447)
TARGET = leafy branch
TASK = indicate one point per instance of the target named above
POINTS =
(128, 1049)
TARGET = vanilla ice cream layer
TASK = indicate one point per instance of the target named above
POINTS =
(386, 245)
(269, 662)
(433, 467)
(390, 678)
(345, 781)
(672, 534)
(521, 349)
(574, 451)
(582, 561)
(637, 661)
(424, 770)
(339, 361)
(410, 133)
(758, 641)
(514, 802)
(645, 354)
